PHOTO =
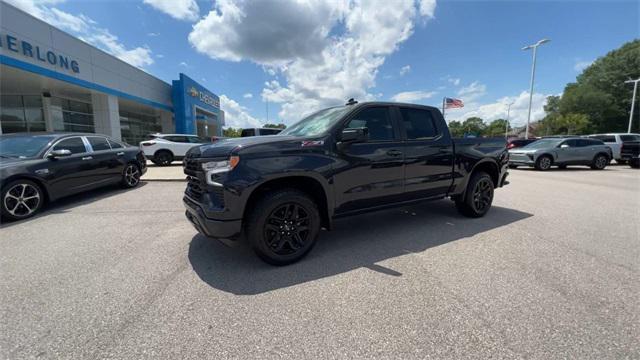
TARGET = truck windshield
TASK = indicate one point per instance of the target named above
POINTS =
(22, 146)
(317, 123)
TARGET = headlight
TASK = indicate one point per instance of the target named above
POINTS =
(213, 167)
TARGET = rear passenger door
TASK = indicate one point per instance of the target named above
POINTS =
(428, 154)
(371, 173)
(109, 162)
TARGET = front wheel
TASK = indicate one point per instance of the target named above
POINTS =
(283, 226)
(131, 176)
(544, 163)
(478, 197)
(599, 162)
(21, 199)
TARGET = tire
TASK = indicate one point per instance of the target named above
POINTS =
(562, 167)
(634, 164)
(513, 166)
(130, 176)
(478, 196)
(21, 199)
(274, 226)
(544, 163)
(599, 162)
(163, 158)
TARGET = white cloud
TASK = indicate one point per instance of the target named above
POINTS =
(248, 96)
(86, 29)
(405, 70)
(183, 64)
(159, 56)
(412, 96)
(581, 65)
(236, 115)
(498, 109)
(472, 92)
(153, 34)
(178, 9)
(327, 51)
(454, 81)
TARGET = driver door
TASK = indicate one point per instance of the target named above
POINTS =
(73, 173)
(372, 172)
(567, 151)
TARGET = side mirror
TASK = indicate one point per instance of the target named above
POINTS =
(54, 154)
(355, 135)
(564, 146)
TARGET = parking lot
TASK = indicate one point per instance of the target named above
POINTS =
(551, 272)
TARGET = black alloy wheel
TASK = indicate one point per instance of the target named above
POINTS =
(283, 226)
(478, 196)
(599, 162)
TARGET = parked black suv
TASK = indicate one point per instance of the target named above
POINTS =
(40, 167)
(281, 190)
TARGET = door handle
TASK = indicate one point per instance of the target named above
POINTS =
(120, 153)
(87, 158)
(394, 153)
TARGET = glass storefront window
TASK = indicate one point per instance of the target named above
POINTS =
(135, 126)
(72, 115)
(20, 113)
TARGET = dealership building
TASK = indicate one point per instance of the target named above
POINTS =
(52, 81)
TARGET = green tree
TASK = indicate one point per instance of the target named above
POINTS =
(474, 125)
(275, 126)
(564, 124)
(231, 132)
(496, 128)
(456, 129)
(600, 92)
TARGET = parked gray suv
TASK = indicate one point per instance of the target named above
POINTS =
(544, 153)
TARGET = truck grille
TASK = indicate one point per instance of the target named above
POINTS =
(191, 167)
(195, 188)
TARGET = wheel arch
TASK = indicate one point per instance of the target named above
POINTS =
(309, 185)
(43, 186)
(164, 150)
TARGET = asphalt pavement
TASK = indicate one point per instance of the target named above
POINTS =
(552, 272)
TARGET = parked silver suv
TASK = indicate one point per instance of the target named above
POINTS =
(544, 153)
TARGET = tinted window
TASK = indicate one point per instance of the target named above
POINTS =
(605, 138)
(248, 132)
(269, 131)
(115, 145)
(624, 138)
(375, 119)
(584, 142)
(418, 123)
(74, 144)
(180, 139)
(22, 146)
(595, 142)
(98, 143)
(198, 140)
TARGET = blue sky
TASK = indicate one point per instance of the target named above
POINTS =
(304, 56)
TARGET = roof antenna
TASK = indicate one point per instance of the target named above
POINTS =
(351, 102)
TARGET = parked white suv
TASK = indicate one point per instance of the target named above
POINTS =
(162, 149)
(614, 141)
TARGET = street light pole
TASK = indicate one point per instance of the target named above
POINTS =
(506, 128)
(533, 74)
(633, 100)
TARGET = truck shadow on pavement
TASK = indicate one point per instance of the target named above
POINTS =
(355, 242)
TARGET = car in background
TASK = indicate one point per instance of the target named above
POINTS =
(163, 149)
(562, 152)
(630, 151)
(259, 132)
(615, 141)
(40, 167)
(517, 143)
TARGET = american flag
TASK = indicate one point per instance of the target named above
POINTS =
(450, 103)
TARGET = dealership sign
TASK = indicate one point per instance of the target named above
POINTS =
(25, 49)
(204, 97)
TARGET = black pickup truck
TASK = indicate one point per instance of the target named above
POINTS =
(630, 151)
(279, 191)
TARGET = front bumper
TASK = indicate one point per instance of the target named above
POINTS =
(222, 229)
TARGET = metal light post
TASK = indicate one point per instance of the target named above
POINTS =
(506, 128)
(533, 74)
(633, 100)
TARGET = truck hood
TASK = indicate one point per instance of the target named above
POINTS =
(225, 147)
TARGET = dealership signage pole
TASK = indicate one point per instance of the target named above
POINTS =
(533, 74)
(633, 100)
(506, 127)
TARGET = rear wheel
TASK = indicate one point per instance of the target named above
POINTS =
(562, 166)
(131, 176)
(599, 162)
(544, 163)
(21, 199)
(163, 158)
(283, 226)
(478, 197)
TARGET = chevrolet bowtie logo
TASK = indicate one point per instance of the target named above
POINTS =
(193, 92)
